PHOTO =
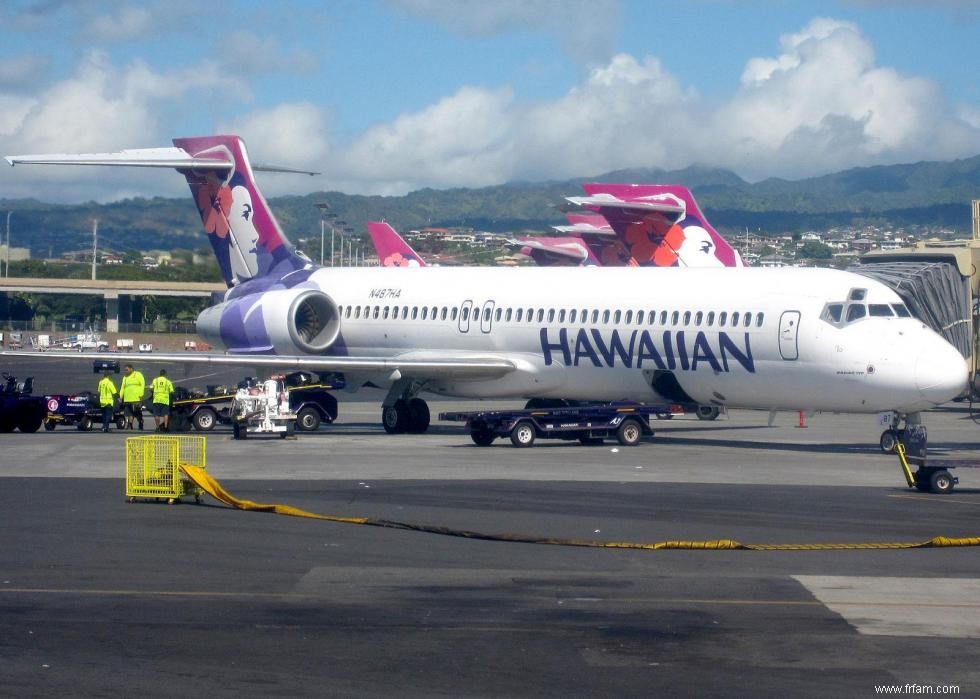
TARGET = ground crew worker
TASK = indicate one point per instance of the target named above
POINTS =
(107, 399)
(131, 391)
(162, 390)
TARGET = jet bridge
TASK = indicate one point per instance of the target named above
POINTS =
(940, 283)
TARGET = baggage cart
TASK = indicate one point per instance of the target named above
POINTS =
(153, 467)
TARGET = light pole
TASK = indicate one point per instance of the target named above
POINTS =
(324, 208)
(6, 250)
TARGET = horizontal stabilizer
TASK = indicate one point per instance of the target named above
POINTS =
(608, 201)
(586, 229)
(146, 157)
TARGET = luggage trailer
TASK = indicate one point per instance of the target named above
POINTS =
(627, 422)
(931, 474)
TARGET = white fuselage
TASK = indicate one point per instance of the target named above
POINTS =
(757, 338)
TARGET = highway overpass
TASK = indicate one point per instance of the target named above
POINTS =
(113, 291)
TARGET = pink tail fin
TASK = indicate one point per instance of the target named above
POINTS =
(392, 249)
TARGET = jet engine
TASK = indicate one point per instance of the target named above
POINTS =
(283, 321)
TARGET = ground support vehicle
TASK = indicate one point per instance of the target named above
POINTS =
(590, 424)
(18, 408)
(931, 474)
(153, 467)
(262, 408)
(309, 398)
(81, 410)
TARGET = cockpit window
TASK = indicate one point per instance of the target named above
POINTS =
(857, 294)
(855, 311)
(833, 312)
(901, 311)
(880, 310)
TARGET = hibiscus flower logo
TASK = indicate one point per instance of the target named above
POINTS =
(214, 203)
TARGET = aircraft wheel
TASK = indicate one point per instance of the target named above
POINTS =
(941, 482)
(418, 416)
(394, 418)
(707, 412)
(888, 441)
(523, 434)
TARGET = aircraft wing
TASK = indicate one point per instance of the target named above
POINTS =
(424, 366)
(586, 229)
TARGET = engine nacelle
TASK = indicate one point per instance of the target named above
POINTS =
(284, 321)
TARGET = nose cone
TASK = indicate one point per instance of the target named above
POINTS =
(940, 372)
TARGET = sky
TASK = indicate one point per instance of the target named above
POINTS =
(390, 96)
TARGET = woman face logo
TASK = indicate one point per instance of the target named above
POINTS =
(244, 253)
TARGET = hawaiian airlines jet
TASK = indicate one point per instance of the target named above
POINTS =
(787, 339)
(392, 249)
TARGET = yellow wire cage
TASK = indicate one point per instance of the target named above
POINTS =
(153, 466)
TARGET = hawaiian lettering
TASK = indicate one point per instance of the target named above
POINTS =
(385, 293)
(642, 350)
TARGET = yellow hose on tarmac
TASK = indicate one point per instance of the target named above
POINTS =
(212, 487)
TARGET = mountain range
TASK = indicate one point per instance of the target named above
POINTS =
(925, 193)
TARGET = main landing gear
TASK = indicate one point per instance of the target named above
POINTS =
(402, 411)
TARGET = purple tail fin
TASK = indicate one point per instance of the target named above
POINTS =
(247, 240)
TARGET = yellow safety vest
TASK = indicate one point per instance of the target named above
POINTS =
(107, 390)
(132, 388)
(162, 388)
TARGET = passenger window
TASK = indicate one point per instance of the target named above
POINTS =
(520, 315)
(404, 311)
(617, 316)
(415, 312)
(605, 317)
(452, 314)
(629, 317)
(748, 320)
(880, 310)
(500, 313)
(571, 316)
(901, 310)
(758, 319)
(595, 317)
(675, 318)
(509, 315)
(722, 317)
(561, 316)
(735, 319)
(486, 313)
(377, 309)
(698, 318)
(711, 318)
(855, 311)
(551, 315)
(540, 315)
(442, 315)
(386, 313)
(530, 315)
(663, 317)
(425, 312)
(687, 317)
(651, 317)
(466, 314)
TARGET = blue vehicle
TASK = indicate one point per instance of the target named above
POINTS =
(80, 410)
(18, 408)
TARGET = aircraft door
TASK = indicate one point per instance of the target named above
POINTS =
(789, 329)
(486, 320)
(465, 311)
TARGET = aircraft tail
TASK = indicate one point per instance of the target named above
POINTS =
(245, 236)
(392, 249)
(687, 238)
(247, 240)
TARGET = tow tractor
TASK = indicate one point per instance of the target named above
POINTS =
(590, 425)
(81, 410)
(309, 398)
(18, 408)
(931, 474)
(262, 408)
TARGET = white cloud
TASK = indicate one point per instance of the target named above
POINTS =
(250, 54)
(22, 71)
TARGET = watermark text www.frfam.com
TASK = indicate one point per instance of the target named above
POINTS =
(938, 689)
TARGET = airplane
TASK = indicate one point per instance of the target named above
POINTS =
(774, 339)
(631, 225)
